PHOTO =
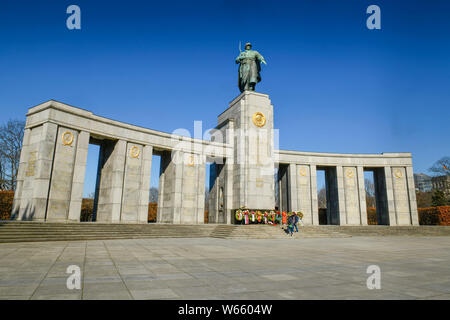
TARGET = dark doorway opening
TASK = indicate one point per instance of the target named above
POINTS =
(327, 195)
(154, 188)
(90, 188)
(283, 201)
(216, 199)
(376, 196)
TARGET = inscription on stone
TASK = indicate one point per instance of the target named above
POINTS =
(190, 171)
(31, 164)
(259, 182)
(189, 197)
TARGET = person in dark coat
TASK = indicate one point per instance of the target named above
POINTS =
(290, 227)
(296, 219)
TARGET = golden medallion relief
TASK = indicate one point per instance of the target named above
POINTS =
(190, 162)
(135, 152)
(398, 173)
(67, 138)
(350, 173)
(302, 172)
(259, 119)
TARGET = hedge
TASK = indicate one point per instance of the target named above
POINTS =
(435, 216)
(152, 209)
(372, 216)
(6, 203)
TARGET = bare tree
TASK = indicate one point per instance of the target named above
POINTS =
(322, 198)
(153, 195)
(2, 177)
(441, 167)
(11, 137)
(370, 193)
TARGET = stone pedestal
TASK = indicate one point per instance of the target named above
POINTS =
(253, 161)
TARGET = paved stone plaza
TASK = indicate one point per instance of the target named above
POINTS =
(315, 268)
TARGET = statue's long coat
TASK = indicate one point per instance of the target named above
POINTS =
(249, 69)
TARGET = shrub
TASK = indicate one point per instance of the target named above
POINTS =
(87, 208)
(152, 210)
(6, 203)
(435, 216)
(205, 220)
(372, 216)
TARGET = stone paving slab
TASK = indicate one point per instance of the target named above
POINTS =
(285, 269)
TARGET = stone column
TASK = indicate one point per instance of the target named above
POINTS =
(341, 195)
(228, 191)
(147, 155)
(79, 176)
(192, 185)
(314, 200)
(37, 164)
(304, 193)
(351, 191)
(390, 203)
(229, 174)
(136, 185)
(183, 179)
(21, 175)
(111, 181)
(62, 175)
(362, 196)
(201, 176)
(401, 197)
(171, 179)
(214, 182)
(412, 196)
(161, 190)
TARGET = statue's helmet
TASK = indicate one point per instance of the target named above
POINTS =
(248, 44)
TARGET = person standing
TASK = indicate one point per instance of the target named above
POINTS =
(290, 227)
(296, 219)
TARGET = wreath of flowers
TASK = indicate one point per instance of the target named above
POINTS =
(246, 216)
(266, 216)
(278, 216)
(259, 216)
(253, 213)
(239, 215)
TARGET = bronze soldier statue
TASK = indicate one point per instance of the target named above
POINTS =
(249, 68)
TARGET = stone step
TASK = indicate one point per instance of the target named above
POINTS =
(13, 231)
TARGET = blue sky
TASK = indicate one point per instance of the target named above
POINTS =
(335, 85)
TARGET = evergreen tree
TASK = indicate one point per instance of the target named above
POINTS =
(438, 198)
